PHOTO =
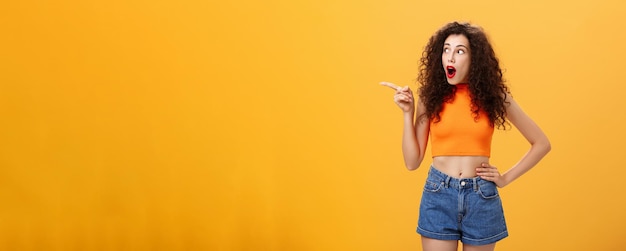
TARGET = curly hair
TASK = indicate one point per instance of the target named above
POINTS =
(486, 84)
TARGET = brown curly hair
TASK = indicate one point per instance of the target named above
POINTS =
(486, 84)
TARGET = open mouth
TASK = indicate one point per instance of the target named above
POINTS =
(450, 71)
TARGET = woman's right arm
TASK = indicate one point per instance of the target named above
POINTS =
(415, 137)
(415, 132)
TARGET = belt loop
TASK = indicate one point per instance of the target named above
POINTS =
(447, 181)
(475, 184)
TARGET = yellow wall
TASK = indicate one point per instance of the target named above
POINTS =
(260, 125)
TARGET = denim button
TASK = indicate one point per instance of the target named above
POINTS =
(462, 183)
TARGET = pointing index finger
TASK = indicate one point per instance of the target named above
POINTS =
(390, 85)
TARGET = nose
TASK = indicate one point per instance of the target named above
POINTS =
(451, 58)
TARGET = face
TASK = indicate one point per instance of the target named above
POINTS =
(456, 59)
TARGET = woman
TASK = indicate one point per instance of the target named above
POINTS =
(461, 99)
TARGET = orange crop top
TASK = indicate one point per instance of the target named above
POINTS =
(458, 133)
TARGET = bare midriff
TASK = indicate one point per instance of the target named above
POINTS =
(459, 167)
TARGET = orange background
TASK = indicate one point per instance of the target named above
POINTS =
(260, 125)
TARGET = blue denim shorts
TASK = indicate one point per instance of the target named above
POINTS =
(469, 210)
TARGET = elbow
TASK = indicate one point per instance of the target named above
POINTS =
(412, 166)
(545, 146)
(548, 147)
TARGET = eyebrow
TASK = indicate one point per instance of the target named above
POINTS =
(460, 45)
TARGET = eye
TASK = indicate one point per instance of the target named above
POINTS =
(461, 52)
(446, 50)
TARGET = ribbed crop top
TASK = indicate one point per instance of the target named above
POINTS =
(459, 133)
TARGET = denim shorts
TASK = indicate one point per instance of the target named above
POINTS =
(469, 210)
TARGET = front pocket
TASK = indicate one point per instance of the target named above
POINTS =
(432, 186)
(487, 189)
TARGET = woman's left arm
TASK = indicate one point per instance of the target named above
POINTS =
(539, 144)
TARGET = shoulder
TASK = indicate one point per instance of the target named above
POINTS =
(513, 110)
(507, 97)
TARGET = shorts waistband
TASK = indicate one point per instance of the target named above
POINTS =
(449, 181)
